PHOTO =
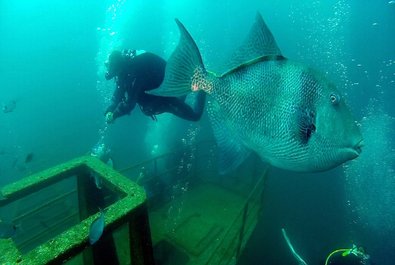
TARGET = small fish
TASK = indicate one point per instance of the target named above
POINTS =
(391, 2)
(96, 229)
(98, 180)
(29, 157)
(110, 162)
(9, 107)
(7, 230)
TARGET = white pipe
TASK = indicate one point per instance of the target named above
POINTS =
(296, 255)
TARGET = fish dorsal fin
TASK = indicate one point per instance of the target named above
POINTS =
(259, 42)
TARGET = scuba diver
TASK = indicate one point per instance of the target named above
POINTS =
(344, 256)
(137, 71)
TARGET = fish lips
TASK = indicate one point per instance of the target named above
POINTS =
(355, 150)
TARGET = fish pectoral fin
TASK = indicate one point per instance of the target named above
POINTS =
(231, 155)
(231, 150)
(306, 124)
(259, 42)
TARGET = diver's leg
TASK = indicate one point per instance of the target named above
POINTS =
(200, 102)
(179, 108)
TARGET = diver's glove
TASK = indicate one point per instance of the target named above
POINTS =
(109, 117)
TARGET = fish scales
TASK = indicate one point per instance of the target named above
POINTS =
(266, 107)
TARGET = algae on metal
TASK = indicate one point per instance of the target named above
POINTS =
(8, 251)
(76, 239)
(116, 179)
(34, 181)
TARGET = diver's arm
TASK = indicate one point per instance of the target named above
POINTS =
(117, 98)
(124, 108)
(128, 104)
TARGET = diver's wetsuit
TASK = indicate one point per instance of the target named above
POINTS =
(145, 72)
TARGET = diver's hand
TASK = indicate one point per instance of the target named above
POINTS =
(109, 117)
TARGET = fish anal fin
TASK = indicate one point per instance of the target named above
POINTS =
(231, 150)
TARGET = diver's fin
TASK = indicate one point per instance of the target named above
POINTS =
(231, 151)
(182, 66)
(259, 42)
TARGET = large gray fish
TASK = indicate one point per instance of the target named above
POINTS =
(292, 116)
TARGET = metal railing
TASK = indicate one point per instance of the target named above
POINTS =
(39, 191)
(168, 164)
(243, 223)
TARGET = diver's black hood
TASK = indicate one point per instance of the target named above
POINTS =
(114, 64)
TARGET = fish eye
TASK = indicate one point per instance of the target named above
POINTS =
(335, 98)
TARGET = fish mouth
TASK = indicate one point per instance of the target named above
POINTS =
(356, 149)
(358, 146)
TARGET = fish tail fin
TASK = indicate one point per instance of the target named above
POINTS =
(185, 70)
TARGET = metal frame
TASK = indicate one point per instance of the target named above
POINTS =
(130, 209)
